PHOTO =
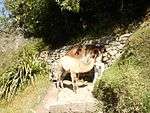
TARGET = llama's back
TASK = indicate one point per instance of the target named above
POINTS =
(69, 63)
(76, 65)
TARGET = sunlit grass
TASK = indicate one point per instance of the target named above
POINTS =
(125, 86)
(30, 93)
(27, 99)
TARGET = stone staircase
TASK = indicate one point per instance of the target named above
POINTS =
(66, 101)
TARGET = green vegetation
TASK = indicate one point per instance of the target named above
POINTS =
(125, 86)
(23, 79)
(27, 99)
(23, 70)
(44, 19)
(59, 21)
(71, 5)
(3, 21)
(26, 13)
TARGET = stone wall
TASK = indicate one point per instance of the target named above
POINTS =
(114, 47)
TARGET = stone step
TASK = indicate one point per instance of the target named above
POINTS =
(73, 108)
(66, 101)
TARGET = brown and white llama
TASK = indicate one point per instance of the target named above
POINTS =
(79, 59)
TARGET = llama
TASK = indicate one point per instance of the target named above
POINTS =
(79, 51)
(77, 60)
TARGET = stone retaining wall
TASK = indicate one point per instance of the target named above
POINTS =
(114, 47)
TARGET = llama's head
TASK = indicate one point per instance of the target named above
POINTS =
(75, 51)
(95, 50)
(86, 52)
(91, 53)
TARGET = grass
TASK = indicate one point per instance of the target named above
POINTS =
(30, 75)
(125, 86)
(27, 99)
(9, 57)
(24, 70)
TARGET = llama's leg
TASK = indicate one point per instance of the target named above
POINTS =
(61, 84)
(58, 80)
(76, 79)
(96, 73)
(57, 84)
(74, 82)
(99, 69)
(62, 77)
(56, 72)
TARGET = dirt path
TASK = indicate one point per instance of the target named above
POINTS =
(66, 101)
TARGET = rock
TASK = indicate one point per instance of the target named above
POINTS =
(120, 46)
(125, 36)
(113, 52)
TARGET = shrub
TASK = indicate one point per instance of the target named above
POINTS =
(26, 12)
(24, 71)
(71, 5)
